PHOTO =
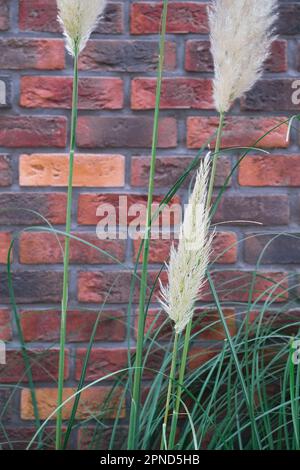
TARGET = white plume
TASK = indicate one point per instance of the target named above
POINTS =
(79, 18)
(188, 263)
(241, 33)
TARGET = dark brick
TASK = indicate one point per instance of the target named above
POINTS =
(169, 169)
(24, 53)
(270, 95)
(44, 366)
(125, 56)
(4, 15)
(32, 287)
(90, 438)
(267, 209)
(33, 131)
(6, 404)
(284, 249)
(289, 19)
(129, 131)
(38, 15)
(19, 208)
(16, 437)
(5, 171)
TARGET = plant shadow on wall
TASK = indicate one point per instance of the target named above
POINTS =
(215, 366)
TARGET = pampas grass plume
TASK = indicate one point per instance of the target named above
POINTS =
(241, 33)
(188, 263)
(78, 19)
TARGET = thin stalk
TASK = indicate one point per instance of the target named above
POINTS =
(136, 394)
(170, 386)
(64, 303)
(188, 330)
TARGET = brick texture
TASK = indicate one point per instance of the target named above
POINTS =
(258, 213)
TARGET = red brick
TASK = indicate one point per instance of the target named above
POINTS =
(238, 131)
(18, 437)
(25, 53)
(5, 325)
(44, 248)
(125, 56)
(198, 57)
(6, 176)
(44, 325)
(198, 356)
(90, 438)
(38, 15)
(90, 170)
(33, 131)
(91, 401)
(111, 286)
(270, 170)
(44, 366)
(267, 209)
(5, 241)
(4, 15)
(22, 208)
(102, 361)
(234, 286)
(170, 168)
(183, 17)
(88, 204)
(177, 93)
(32, 287)
(223, 251)
(56, 92)
(130, 131)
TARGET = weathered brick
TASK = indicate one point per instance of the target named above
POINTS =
(270, 170)
(238, 131)
(88, 204)
(113, 287)
(206, 324)
(289, 18)
(234, 286)
(44, 248)
(125, 56)
(90, 403)
(17, 437)
(31, 287)
(33, 131)
(176, 93)
(38, 15)
(25, 53)
(44, 366)
(56, 92)
(44, 325)
(284, 249)
(224, 249)
(169, 169)
(4, 15)
(5, 241)
(90, 438)
(22, 208)
(198, 57)
(5, 327)
(6, 176)
(130, 131)
(90, 170)
(267, 209)
(102, 361)
(6, 405)
(183, 17)
(270, 95)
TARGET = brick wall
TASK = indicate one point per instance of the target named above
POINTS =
(117, 92)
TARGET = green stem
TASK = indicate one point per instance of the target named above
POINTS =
(170, 386)
(187, 336)
(64, 303)
(136, 394)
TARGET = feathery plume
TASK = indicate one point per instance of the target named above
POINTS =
(241, 33)
(188, 263)
(78, 19)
